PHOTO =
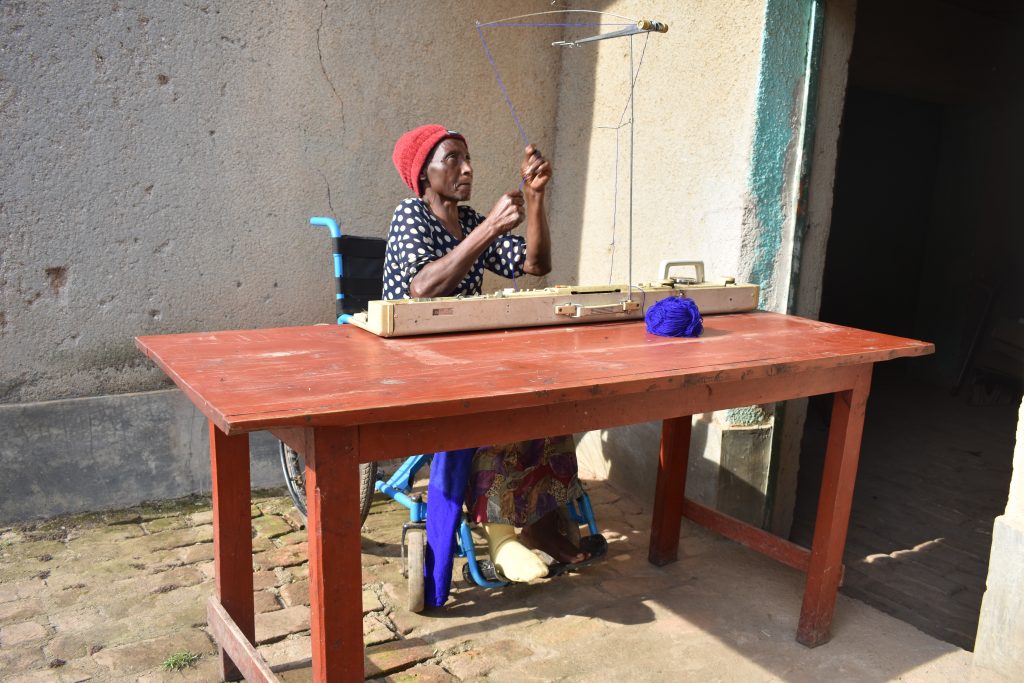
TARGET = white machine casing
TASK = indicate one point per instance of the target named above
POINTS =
(558, 305)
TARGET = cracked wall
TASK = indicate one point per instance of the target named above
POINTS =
(161, 161)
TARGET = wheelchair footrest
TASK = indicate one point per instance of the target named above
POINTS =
(486, 569)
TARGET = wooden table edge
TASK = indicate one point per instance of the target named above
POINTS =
(621, 386)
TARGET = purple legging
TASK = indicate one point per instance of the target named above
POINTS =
(446, 490)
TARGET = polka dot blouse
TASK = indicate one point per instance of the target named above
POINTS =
(417, 237)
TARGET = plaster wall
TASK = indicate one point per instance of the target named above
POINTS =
(1015, 500)
(695, 102)
(836, 46)
(87, 454)
(160, 161)
(1000, 642)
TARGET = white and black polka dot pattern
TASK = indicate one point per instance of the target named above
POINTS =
(417, 237)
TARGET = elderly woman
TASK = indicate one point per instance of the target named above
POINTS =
(438, 248)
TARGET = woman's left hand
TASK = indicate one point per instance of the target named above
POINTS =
(536, 170)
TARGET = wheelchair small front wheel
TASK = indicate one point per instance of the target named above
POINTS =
(416, 540)
(294, 468)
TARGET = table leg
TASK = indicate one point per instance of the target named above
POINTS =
(826, 564)
(669, 490)
(232, 535)
(335, 569)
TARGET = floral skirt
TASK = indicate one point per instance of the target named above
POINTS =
(518, 483)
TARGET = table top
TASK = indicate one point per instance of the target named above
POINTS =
(245, 380)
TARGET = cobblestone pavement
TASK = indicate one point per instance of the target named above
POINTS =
(111, 596)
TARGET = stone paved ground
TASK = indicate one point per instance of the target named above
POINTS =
(109, 597)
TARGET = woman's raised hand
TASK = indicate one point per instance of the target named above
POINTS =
(536, 170)
(508, 212)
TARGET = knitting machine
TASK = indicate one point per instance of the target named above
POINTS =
(559, 305)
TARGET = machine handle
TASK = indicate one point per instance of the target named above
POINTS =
(698, 268)
(625, 307)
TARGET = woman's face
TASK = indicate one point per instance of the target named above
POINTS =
(449, 173)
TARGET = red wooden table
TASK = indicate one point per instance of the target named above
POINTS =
(341, 396)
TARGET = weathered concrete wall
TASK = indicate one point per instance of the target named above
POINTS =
(86, 454)
(160, 162)
(694, 124)
(836, 46)
(694, 109)
(720, 131)
(1000, 642)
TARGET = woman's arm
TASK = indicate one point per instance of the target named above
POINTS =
(441, 277)
(536, 174)
(538, 236)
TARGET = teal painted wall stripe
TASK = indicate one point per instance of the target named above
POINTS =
(787, 99)
(780, 113)
(780, 101)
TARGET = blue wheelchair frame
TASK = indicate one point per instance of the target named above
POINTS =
(400, 484)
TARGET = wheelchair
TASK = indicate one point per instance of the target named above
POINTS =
(358, 270)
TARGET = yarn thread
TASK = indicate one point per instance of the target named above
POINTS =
(674, 317)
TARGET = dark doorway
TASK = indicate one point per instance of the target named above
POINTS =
(927, 241)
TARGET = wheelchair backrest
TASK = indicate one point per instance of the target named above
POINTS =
(359, 277)
(358, 268)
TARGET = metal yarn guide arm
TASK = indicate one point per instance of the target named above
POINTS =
(631, 27)
(642, 26)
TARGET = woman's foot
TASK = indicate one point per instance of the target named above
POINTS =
(515, 561)
(544, 535)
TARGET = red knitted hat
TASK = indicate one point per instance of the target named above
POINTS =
(412, 149)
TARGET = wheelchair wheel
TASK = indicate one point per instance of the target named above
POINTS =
(294, 468)
(416, 540)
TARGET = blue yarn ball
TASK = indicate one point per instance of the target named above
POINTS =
(675, 316)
